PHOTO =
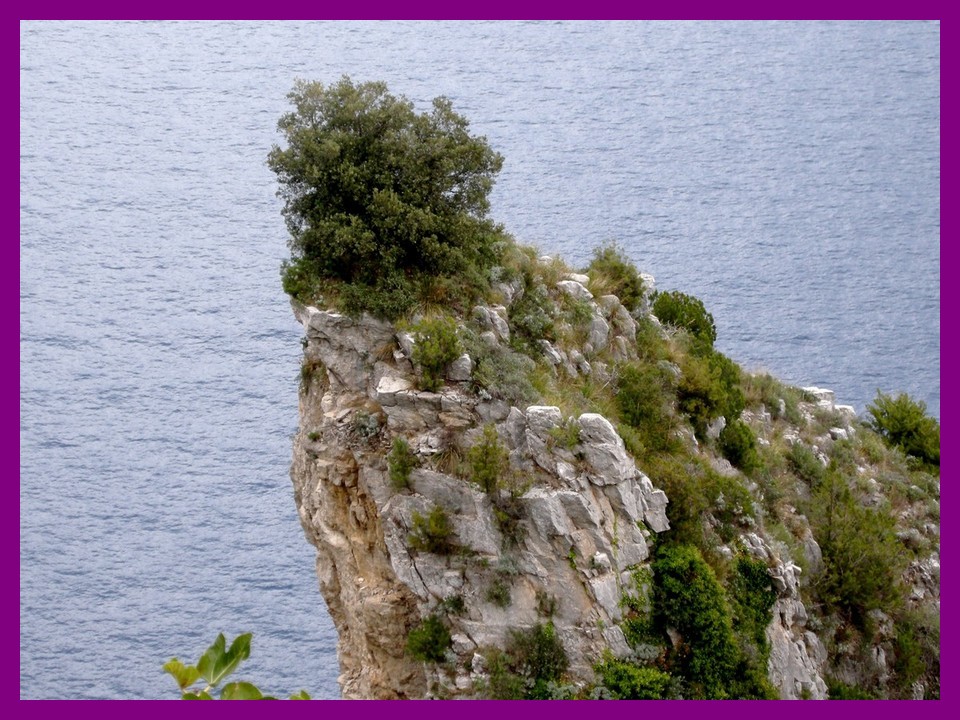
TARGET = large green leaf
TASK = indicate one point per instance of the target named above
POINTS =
(241, 691)
(302, 695)
(202, 695)
(185, 675)
(218, 662)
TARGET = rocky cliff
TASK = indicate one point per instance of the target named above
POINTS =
(567, 540)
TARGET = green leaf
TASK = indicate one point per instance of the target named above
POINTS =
(241, 691)
(217, 662)
(185, 675)
(202, 695)
(302, 695)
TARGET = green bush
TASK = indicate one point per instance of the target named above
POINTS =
(429, 641)
(863, 561)
(500, 371)
(437, 345)
(687, 312)
(508, 511)
(498, 593)
(753, 597)
(689, 598)
(400, 462)
(805, 464)
(531, 315)
(488, 460)
(380, 199)
(682, 481)
(728, 501)
(627, 681)
(611, 268)
(531, 661)
(644, 394)
(838, 690)
(917, 653)
(432, 533)
(739, 445)
(709, 388)
(904, 423)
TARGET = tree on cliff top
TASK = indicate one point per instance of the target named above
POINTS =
(385, 206)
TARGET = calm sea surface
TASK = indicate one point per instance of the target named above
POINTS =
(788, 174)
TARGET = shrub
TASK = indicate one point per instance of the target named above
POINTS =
(681, 480)
(611, 268)
(644, 394)
(432, 533)
(739, 445)
(805, 464)
(488, 460)
(689, 598)
(380, 199)
(753, 598)
(863, 561)
(687, 312)
(499, 593)
(626, 681)
(728, 501)
(500, 371)
(917, 652)
(904, 423)
(709, 388)
(400, 462)
(531, 661)
(531, 315)
(508, 512)
(429, 641)
(436, 347)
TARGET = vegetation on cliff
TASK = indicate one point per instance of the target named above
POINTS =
(387, 214)
(384, 205)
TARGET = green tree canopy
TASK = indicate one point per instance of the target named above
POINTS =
(385, 206)
(904, 423)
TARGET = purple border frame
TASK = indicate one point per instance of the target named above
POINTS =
(432, 9)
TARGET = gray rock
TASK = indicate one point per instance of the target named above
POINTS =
(348, 348)
(599, 333)
(580, 278)
(406, 342)
(603, 451)
(617, 642)
(460, 369)
(546, 513)
(490, 319)
(716, 427)
(389, 386)
(542, 419)
(550, 352)
(606, 591)
(822, 397)
(838, 433)
(574, 289)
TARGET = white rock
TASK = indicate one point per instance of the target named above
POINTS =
(542, 419)
(574, 289)
(580, 278)
(824, 398)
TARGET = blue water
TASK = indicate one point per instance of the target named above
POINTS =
(788, 174)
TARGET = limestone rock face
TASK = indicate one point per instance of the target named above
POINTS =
(572, 521)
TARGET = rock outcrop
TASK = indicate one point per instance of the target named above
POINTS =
(562, 539)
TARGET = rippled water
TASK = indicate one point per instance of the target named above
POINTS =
(786, 173)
